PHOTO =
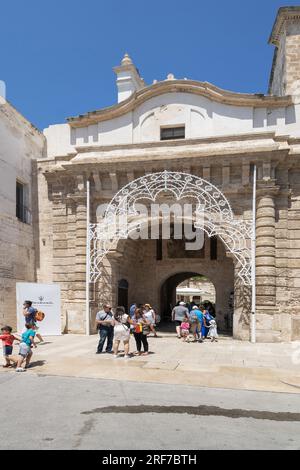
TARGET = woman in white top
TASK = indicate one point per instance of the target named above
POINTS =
(149, 315)
(121, 331)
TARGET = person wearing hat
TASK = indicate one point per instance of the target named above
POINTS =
(178, 314)
(196, 320)
(149, 315)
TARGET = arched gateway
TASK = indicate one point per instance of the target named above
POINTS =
(213, 214)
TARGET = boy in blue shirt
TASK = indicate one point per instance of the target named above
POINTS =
(26, 344)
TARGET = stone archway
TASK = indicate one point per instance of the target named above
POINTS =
(167, 287)
(218, 219)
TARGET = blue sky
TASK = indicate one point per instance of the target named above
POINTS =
(57, 56)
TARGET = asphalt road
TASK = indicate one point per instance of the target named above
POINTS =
(72, 413)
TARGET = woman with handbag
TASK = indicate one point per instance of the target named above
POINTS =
(121, 324)
(140, 331)
(149, 315)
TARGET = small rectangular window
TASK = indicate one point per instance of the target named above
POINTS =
(22, 212)
(170, 133)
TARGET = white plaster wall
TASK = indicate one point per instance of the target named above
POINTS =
(200, 116)
(115, 131)
(60, 140)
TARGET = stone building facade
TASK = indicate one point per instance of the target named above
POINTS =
(195, 128)
(20, 145)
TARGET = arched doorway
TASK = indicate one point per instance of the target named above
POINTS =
(152, 269)
(168, 293)
(220, 299)
(197, 290)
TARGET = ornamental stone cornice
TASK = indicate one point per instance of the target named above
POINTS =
(223, 146)
(249, 136)
(205, 89)
(284, 14)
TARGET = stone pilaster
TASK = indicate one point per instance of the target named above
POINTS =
(206, 172)
(266, 262)
(225, 175)
(80, 265)
(245, 174)
(60, 246)
(75, 306)
(265, 248)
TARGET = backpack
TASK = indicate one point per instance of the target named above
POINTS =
(193, 317)
(39, 316)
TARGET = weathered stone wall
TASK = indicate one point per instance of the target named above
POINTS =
(277, 82)
(17, 264)
(20, 145)
(43, 232)
(285, 75)
(293, 257)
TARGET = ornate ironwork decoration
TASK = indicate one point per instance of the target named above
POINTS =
(219, 219)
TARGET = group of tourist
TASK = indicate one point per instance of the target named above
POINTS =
(198, 321)
(26, 340)
(116, 327)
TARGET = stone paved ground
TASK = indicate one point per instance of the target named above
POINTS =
(226, 364)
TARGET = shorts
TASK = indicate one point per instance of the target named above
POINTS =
(7, 350)
(185, 332)
(121, 333)
(24, 349)
(178, 322)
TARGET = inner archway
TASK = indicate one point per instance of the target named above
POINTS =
(217, 298)
(168, 293)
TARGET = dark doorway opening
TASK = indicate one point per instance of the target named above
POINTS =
(123, 294)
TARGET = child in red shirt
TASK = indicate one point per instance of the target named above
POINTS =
(7, 342)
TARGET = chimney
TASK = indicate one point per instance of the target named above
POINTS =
(285, 36)
(128, 78)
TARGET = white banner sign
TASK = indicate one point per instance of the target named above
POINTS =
(44, 297)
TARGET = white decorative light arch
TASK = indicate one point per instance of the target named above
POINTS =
(218, 220)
